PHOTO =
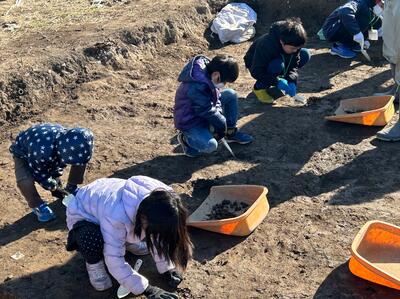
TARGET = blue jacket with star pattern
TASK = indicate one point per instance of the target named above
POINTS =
(48, 148)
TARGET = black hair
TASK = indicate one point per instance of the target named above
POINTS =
(226, 65)
(166, 230)
(292, 32)
(372, 3)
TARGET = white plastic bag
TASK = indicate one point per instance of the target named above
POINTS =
(235, 23)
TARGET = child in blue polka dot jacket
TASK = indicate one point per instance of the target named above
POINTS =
(41, 153)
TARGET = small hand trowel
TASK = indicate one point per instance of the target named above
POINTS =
(364, 52)
(225, 143)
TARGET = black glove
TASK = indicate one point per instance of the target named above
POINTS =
(59, 193)
(59, 183)
(72, 189)
(219, 133)
(156, 293)
(56, 173)
(173, 278)
(217, 125)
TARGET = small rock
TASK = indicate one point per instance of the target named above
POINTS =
(203, 10)
(9, 277)
(10, 26)
(17, 256)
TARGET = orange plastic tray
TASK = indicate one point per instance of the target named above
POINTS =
(368, 111)
(242, 225)
(376, 254)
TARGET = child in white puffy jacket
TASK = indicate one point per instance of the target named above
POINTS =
(110, 216)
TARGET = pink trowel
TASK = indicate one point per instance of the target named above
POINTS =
(122, 292)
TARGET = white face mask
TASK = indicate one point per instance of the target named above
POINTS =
(377, 10)
(219, 85)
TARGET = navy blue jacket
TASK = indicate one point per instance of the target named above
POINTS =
(267, 48)
(48, 148)
(355, 16)
(197, 101)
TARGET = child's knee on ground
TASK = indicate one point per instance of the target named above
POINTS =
(205, 146)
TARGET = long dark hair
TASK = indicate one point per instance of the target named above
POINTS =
(166, 230)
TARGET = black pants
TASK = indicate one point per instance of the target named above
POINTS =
(86, 238)
(346, 38)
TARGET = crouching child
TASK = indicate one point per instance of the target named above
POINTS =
(141, 215)
(40, 155)
(204, 111)
(347, 26)
(274, 59)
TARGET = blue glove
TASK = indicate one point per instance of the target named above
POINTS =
(292, 89)
(283, 85)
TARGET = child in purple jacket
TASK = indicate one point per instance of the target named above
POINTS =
(204, 111)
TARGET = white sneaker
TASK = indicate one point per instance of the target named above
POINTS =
(390, 133)
(98, 276)
(137, 248)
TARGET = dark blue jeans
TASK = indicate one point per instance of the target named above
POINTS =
(277, 67)
(200, 137)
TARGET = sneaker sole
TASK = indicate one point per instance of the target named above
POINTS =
(238, 142)
(47, 220)
(342, 56)
(103, 289)
(388, 139)
(181, 142)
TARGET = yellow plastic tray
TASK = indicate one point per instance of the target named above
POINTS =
(375, 254)
(368, 111)
(242, 225)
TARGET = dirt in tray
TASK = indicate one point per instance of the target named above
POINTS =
(355, 110)
(227, 209)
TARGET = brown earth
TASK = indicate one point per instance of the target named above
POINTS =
(113, 69)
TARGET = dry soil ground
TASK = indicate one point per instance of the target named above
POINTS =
(113, 69)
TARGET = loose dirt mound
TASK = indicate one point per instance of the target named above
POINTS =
(114, 69)
(227, 209)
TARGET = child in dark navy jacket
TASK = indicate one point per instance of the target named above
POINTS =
(347, 26)
(274, 59)
(41, 153)
(204, 111)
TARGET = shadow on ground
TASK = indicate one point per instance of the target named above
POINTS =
(341, 283)
(27, 224)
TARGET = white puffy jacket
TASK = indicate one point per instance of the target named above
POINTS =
(112, 204)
